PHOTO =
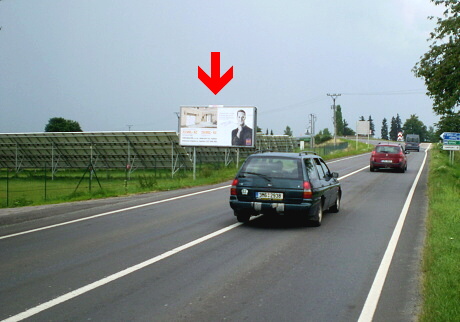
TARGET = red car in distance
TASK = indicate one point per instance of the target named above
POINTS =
(388, 156)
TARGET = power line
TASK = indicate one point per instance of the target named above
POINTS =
(401, 92)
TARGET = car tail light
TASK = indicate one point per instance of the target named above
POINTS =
(373, 155)
(401, 156)
(233, 188)
(307, 194)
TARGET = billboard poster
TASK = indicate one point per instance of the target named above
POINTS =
(363, 128)
(219, 126)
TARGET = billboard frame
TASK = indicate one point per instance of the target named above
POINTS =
(217, 126)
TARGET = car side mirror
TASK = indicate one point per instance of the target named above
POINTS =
(335, 175)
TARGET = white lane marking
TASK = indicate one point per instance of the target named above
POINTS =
(354, 172)
(376, 290)
(113, 277)
(113, 212)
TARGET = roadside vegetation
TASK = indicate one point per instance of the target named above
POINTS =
(33, 187)
(441, 262)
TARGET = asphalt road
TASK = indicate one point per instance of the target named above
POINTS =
(266, 270)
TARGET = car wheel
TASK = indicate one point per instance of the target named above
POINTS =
(371, 169)
(242, 216)
(319, 216)
(336, 206)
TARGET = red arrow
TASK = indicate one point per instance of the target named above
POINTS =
(215, 83)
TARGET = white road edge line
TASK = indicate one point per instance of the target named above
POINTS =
(355, 156)
(113, 212)
(63, 298)
(373, 297)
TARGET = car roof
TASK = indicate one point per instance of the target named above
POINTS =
(389, 144)
(308, 154)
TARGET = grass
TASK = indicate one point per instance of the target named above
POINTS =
(29, 187)
(441, 262)
(352, 149)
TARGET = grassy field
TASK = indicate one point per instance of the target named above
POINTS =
(441, 263)
(32, 187)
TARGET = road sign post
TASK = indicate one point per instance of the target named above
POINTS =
(451, 142)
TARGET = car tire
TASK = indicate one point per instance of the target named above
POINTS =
(318, 216)
(371, 169)
(242, 216)
(336, 207)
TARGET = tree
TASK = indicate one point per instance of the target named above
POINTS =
(59, 124)
(440, 66)
(371, 125)
(339, 120)
(288, 131)
(431, 135)
(398, 123)
(323, 136)
(414, 126)
(448, 123)
(271, 132)
(346, 130)
(393, 130)
(384, 130)
(362, 118)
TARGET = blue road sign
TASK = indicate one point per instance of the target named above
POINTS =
(450, 136)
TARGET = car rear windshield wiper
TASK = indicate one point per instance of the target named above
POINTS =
(256, 174)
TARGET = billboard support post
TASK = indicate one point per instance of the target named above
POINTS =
(194, 163)
(237, 157)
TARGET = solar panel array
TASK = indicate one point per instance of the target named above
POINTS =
(119, 150)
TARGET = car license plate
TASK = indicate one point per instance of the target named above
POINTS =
(386, 161)
(269, 195)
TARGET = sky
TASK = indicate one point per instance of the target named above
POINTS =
(114, 65)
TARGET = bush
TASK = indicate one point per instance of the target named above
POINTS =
(147, 182)
(21, 202)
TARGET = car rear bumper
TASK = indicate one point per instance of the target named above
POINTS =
(386, 165)
(269, 207)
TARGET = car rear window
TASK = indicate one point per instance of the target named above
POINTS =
(276, 167)
(387, 149)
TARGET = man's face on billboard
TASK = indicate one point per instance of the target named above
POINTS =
(241, 118)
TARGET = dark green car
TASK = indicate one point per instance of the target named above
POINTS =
(285, 184)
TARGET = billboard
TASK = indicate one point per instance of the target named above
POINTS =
(217, 125)
(363, 128)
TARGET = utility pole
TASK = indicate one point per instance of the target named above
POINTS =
(178, 121)
(312, 130)
(129, 126)
(334, 96)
